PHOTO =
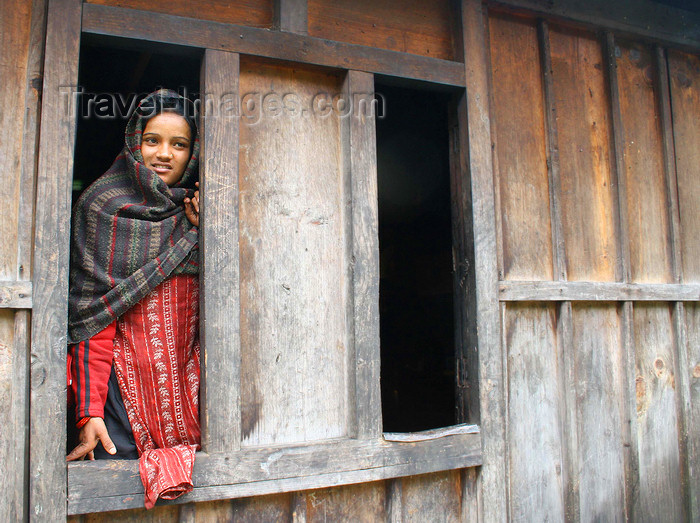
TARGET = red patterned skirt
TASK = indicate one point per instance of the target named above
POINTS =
(156, 359)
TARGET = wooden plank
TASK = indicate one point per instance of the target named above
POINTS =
(678, 309)
(692, 350)
(410, 26)
(15, 295)
(552, 151)
(13, 410)
(30, 139)
(220, 302)
(660, 495)
(51, 255)
(584, 135)
(534, 429)
(258, 471)
(394, 501)
(432, 497)
(365, 502)
(143, 25)
(622, 272)
(254, 13)
(470, 496)
(684, 72)
(645, 18)
(684, 78)
(360, 158)
(292, 16)
(15, 39)
(293, 256)
(600, 414)
(466, 339)
(647, 220)
(494, 500)
(520, 148)
(597, 291)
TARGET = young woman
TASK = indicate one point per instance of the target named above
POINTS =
(133, 304)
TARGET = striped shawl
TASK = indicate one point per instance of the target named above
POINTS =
(129, 234)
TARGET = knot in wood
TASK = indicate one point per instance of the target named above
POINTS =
(696, 371)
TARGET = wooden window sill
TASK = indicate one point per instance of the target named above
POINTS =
(107, 485)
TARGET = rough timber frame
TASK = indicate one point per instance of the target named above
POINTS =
(373, 458)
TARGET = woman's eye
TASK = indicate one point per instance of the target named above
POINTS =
(180, 144)
(150, 140)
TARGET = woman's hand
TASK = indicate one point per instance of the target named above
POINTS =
(93, 431)
(192, 207)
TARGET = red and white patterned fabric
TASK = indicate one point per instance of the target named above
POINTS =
(156, 359)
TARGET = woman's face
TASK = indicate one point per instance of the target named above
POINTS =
(165, 146)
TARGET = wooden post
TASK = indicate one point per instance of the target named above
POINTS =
(47, 501)
(360, 160)
(220, 303)
(478, 149)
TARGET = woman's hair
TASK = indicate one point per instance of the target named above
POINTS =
(169, 104)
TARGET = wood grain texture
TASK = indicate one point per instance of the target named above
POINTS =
(520, 148)
(493, 502)
(13, 410)
(294, 333)
(49, 317)
(277, 507)
(365, 502)
(470, 495)
(254, 472)
(464, 278)
(409, 26)
(692, 350)
(600, 411)
(220, 302)
(254, 13)
(684, 73)
(15, 295)
(157, 27)
(30, 140)
(432, 497)
(647, 217)
(15, 36)
(636, 17)
(597, 291)
(360, 161)
(584, 131)
(535, 450)
(660, 495)
(292, 16)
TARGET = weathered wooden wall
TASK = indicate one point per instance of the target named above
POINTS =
(22, 36)
(595, 170)
(444, 496)
(589, 132)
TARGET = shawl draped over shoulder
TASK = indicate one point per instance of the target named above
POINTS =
(129, 233)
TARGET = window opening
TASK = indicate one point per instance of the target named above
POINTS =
(415, 245)
(113, 78)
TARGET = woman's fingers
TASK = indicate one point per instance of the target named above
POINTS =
(106, 441)
(80, 451)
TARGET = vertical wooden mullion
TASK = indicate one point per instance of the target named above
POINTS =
(360, 165)
(565, 346)
(623, 273)
(292, 16)
(220, 278)
(480, 165)
(47, 469)
(681, 367)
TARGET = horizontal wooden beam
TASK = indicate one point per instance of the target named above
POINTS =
(99, 486)
(645, 18)
(15, 295)
(596, 291)
(191, 32)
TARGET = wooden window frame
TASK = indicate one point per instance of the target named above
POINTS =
(223, 469)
